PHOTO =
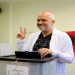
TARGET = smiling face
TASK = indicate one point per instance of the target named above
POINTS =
(45, 21)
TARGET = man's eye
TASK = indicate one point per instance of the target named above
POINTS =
(38, 20)
(44, 20)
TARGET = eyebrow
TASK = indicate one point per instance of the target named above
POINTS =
(42, 19)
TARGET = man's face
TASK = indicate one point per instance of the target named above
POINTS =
(44, 22)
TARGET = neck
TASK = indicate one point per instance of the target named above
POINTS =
(45, 33)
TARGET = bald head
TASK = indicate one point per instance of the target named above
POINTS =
(47, 14)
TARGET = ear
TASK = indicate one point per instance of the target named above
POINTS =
(53, 21)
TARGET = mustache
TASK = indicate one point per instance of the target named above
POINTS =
(41, 25)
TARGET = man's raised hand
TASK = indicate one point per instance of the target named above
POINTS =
(22, 33)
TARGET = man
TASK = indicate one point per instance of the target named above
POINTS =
(48, 41)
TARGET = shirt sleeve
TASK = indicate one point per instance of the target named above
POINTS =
(65, 55)
(21, 44)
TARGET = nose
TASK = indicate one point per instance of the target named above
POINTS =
(40, 22)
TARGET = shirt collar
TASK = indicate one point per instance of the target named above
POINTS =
(54, 31)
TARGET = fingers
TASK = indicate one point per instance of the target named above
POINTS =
(22, 30)
(44, 52)
(18, 35)
(22, 33)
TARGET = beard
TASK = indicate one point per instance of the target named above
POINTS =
(44, 28)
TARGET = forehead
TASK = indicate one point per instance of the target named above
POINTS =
(43, 16)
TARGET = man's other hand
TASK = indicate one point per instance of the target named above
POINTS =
(44, 51)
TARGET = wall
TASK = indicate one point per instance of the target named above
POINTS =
(4, 22)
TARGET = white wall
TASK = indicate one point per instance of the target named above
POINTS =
(4, 22)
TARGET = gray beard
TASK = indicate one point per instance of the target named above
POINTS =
(47, 28)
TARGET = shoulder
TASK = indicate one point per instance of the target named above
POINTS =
(63, 35)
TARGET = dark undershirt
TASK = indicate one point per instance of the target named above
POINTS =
(42, 42)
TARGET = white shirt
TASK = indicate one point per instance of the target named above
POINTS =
(60, 44)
